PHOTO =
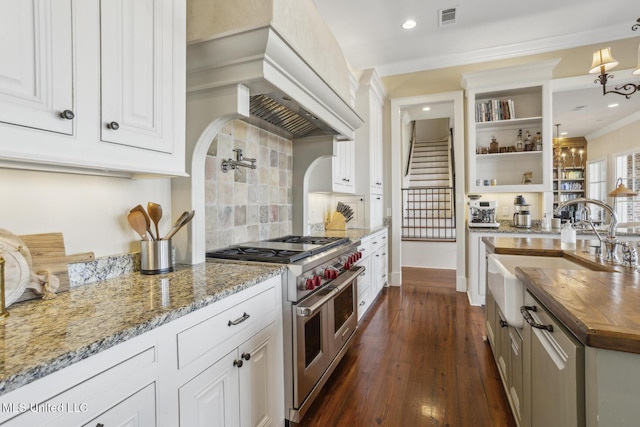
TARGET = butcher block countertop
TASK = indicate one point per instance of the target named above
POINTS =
(601, 308)
(41, 337)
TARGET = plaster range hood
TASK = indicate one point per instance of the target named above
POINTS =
(285, 94)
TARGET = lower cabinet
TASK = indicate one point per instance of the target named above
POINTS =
(506, 344)
(374, 249)
(138, 410)
(238, 389)
(221, 365)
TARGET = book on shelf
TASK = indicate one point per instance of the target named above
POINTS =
(495, 109)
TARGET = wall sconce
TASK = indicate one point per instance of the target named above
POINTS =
(603, 61)
(621, 190)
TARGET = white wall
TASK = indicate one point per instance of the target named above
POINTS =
(440, 255)
(90, 211)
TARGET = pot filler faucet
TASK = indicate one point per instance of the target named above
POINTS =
(610, 242)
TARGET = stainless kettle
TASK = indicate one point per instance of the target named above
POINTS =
(522, 219)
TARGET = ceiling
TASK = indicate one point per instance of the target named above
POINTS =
(370, 35)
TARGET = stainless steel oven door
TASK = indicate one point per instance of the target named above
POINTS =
(322, 324)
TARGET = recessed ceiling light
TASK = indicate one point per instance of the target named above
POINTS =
(409, 24)
(563, 133)
(426, 108)
(613, 105)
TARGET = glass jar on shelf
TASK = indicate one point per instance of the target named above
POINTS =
(519, 143)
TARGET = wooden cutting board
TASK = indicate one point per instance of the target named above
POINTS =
(48, 253)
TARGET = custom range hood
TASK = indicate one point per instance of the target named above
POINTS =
(296, 78)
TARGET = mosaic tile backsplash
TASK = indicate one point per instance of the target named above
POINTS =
(248, 204)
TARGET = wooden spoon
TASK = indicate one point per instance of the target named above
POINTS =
(138, 223)
(155, 212)
(147, 221)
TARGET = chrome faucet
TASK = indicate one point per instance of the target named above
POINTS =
(611, 243)
(230, 164)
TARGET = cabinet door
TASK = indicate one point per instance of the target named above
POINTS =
(516, 363)
(376, 211)
(556, 372)
(212, 397)
(258, 379)
(138, 410)
(343, 167)
(36, 79)
(375, 142)
(136, 73)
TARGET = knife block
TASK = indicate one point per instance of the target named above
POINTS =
(337, 222)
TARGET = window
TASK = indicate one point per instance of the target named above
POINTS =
(597, 187)
(628, 170)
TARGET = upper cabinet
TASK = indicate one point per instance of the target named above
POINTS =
(93, 86)
(343, 168)
(36, 71)
(509, 129)
(369, 146)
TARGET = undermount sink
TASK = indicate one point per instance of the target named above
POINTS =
(508, 290)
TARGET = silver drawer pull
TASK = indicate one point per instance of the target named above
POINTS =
(362, 303)
(239, 320)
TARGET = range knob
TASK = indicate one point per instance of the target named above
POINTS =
(330, 274)
(309, 284)
(317, 281)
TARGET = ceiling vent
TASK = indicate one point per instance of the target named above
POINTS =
(447, 16)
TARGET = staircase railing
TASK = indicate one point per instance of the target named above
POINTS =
(428, 213)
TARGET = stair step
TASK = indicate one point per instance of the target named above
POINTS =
(430, 171)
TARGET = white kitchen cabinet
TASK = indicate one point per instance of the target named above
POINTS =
(36, 71)
(138, 410)
(374, 250)
(93, 86)
(369, 147)
(212, 398)
(343, 168)
(379, 260)
(234, 377)
(365, 297)
(137, 73)
(237, 390)
(117, 384)
(527, 90)
(185, 372)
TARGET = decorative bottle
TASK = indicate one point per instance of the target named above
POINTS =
(519, 145)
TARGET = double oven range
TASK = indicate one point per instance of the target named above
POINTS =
(319, 307)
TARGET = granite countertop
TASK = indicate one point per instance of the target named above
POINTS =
(40, 337)
(506, 227)
(599, 307)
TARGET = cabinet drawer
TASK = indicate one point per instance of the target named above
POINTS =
(82, 402)
(365, 247)
(212, 332)
(138, 409)
(364, 301)
(378, 240)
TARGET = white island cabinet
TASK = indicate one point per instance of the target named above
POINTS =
(219, 365)
(93, 86)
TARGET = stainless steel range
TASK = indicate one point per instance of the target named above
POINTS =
(319, 302)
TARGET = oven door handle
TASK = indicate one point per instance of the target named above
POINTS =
(341, 283)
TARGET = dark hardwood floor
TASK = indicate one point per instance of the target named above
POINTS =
(418, 360)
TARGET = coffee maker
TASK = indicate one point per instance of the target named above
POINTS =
(482, 213)
(522, 213)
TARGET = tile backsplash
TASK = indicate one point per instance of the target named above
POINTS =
(248, 204)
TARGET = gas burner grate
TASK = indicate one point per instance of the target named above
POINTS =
(325, 242)
(242, 253)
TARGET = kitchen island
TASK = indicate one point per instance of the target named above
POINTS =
(598, 308)
(135, 335)
(476, 286)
